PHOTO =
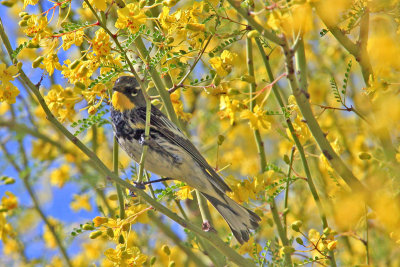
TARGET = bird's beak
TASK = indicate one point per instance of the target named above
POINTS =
(117, 88)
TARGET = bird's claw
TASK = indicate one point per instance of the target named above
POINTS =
(140, 185)
(143, 141)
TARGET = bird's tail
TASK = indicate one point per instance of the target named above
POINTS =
(239, 219)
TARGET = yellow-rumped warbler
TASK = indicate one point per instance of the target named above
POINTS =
(171, 154)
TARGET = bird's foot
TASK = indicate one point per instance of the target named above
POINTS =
(140, 185)
(143, 141)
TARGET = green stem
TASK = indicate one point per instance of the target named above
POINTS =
(287, 189)
(301, 64)
(261, 152)
(256, 132)
(296, 140)
(302, 99)
(119, 190)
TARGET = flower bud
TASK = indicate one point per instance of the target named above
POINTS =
(95, 235)
(299, 241)
(253, 34)
(364, 156)
(37, 62)
(296, 226)
(92, 110)
(196, 27)
(121, 239)
(8, 3)
(217, 80)
(110, 232)
(332, 245)
(87, 226)
(9, 180)
(166, 250)
(75, 64)
(22, 14)
(247, 78)
(23, 23)
(32, 45)
(170, 40)
(80, 85)
(221, 139)
(288, 250)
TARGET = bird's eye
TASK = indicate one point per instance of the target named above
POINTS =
(133, 94)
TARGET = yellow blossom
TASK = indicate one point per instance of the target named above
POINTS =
(138, 213)
(101, 43)
(257, 118)
(37, 28)
(178, 106)
(7, 73)
(9, 202)
(30, 2)
(223, 64)
(71, 38)
(50, 63)
(99, 4)
(228, 108)
(122, 256)
(99, 221)
(8, 93)
(59, 176)
(250, 247)
(48, 236)
(130, 17)
(185, 192)
(81, 202)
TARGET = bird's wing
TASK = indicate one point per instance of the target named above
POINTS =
(171, 132)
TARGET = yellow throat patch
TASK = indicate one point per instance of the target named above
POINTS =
(121, 102)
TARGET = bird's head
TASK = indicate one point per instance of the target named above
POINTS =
(127, 94)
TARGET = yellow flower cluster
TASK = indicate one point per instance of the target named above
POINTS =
(251, 188)
(61, 102)
(8, 92)
(223, 64)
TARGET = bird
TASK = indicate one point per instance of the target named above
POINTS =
(171, 154)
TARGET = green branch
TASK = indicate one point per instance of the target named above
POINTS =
(261, 152)
(25, 179)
